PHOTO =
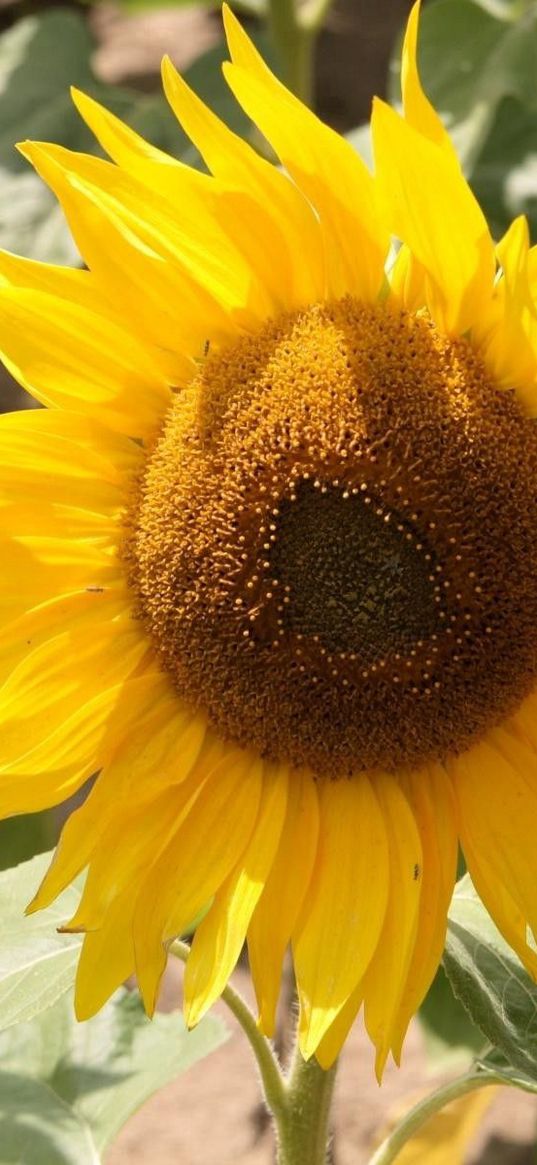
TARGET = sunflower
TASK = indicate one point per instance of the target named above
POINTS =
(270, 555)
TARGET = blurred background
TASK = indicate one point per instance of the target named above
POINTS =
(478, 60)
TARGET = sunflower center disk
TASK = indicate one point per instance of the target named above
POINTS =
(334, 544)
(356, 581)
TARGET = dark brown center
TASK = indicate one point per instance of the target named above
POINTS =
(356, 580)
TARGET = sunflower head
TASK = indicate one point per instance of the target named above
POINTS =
(334, 542)
(271, 555)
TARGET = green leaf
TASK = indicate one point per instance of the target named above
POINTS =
(37, 1127)
(40, 58)
(37, 965)
(504, 9)
(451, 1039)
(31, 222)
(470, 57)
(489, 980)
(67, 1088)
(22, 837)
(505, 177)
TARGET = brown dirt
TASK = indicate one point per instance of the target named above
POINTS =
(130, 48)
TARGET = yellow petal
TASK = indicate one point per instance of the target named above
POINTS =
(276, 913)
(430, 795)
(69, 357)
(128, 270)
(106, 959)
(513, 251)
(39, 624)
(65, 282)
(344, 909)
(43, 690)
(506, 335)
(199, 857)
(383, 985)
(219, 938)
(37, 568)
(334, 1038)
(497, 802)
(55, 457)
(271, 250)
(64, 760)
(324, 166)
(226, 154)
(430, 207)
(408, 281)
(61, 521)
(122, 143)
(190, 251)
(385, 978)
(233, 161)
(417, 108)
(146, 827)
(159, 752)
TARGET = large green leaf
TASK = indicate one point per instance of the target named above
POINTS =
(490, 982)
(28, 834)
(40, 58)
(37, 1127)
(37, 965)
(67, 1088)
(470, 59)
(505, 177)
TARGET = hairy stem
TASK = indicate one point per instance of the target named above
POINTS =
(300, 1104)
(273, 1082)
(304, 1131)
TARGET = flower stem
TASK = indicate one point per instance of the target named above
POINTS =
(299, 1104)
(413, 1121)
(295, 28)
(304, 1130)
(273, 1082)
